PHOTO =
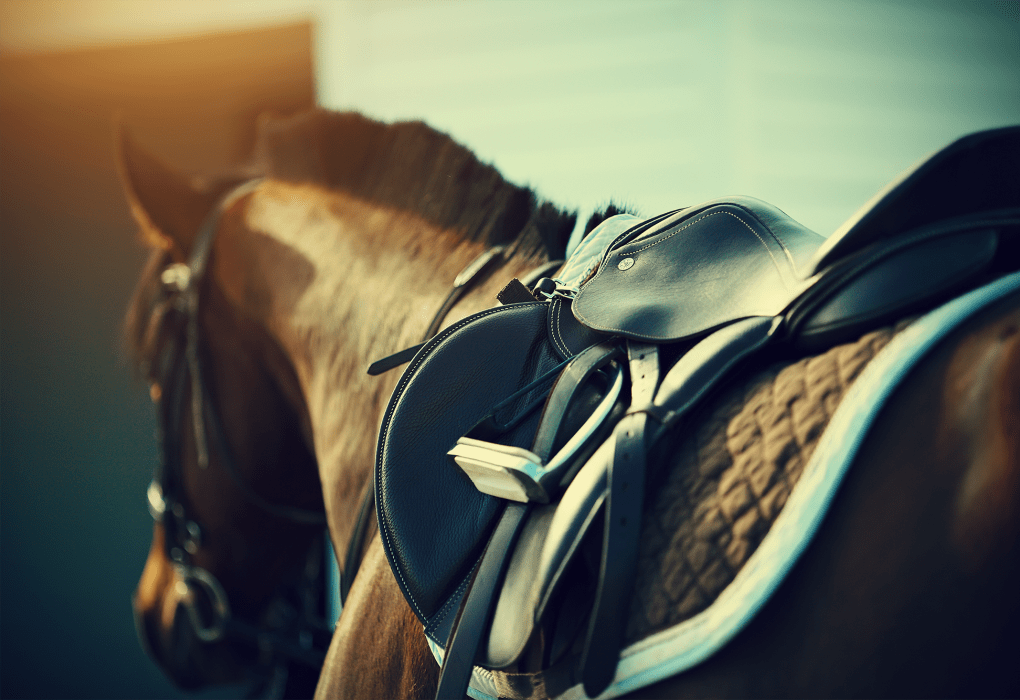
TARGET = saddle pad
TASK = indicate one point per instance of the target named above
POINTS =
(718, 539)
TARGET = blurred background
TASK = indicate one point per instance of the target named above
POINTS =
(811, 106)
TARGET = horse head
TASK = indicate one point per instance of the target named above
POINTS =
(231, 580)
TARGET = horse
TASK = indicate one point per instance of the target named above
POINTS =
(342, 253)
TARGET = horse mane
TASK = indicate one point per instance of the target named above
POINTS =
(412, 167)
(406, 165)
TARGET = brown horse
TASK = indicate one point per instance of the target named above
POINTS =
(343, 254)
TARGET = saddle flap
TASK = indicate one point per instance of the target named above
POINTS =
(697, 270)
(433, 521)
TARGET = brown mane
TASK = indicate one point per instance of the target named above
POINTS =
(412, 167)
(407, 165)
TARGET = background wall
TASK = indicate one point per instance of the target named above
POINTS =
(811, 106)
(77, 446)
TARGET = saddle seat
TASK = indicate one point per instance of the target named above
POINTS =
(688, 296)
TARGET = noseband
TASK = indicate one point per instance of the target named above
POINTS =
(304, 636)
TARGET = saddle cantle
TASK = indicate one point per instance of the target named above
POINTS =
(527, 400)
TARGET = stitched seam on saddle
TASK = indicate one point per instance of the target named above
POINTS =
(635, 252)
(702, 218)
(397, 392)
(780, 241)
(449, 601)
(558, 340)
(553, 308)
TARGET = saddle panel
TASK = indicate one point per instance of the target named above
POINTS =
(433, 521)
(973, 174)
(697, 270)
(890, 279)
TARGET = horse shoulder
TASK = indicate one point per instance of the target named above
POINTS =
(378, 649)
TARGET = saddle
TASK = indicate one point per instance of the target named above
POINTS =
(512, 457)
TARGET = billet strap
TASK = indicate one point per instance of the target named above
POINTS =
(706, 364)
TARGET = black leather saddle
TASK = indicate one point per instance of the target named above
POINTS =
(512, 456)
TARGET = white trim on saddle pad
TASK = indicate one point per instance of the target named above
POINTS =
(687, 644)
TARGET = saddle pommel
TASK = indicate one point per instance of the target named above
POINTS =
(517, 474)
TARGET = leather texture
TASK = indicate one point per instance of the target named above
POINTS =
(473, 616)
(568, 335)
(621, 526)
(718, 262)
(472, 619)
(976, 173)
(884, 281)
(433, 522)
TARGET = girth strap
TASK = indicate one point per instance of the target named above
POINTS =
(476, 610)
(622, 525)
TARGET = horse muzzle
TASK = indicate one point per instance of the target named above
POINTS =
(180, 629)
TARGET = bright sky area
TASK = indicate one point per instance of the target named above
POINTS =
(811, 106)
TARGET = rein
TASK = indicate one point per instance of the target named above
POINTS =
(178, 367)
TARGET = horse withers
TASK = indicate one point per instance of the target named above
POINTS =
(344, 253)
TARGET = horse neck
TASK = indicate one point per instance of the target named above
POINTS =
(341, 283)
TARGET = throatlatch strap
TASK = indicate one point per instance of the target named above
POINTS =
(625, 500)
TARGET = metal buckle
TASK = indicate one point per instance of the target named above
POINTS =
(219, 607)
(155, 501)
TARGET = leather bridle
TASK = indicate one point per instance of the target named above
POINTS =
(305, 635)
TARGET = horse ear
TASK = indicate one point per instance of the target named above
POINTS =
(167, 207)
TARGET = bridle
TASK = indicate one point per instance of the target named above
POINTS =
(298, 632)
